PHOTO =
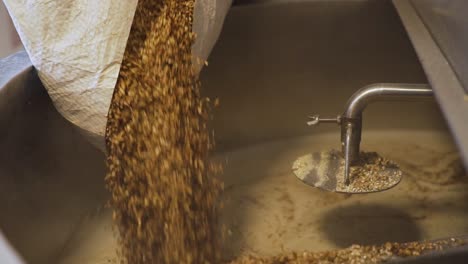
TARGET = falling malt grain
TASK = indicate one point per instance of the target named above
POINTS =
(164, 196)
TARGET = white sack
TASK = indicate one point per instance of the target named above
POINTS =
(8, 255)
(77, 47)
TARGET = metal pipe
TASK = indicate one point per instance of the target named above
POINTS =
(346, 151)
(384, 92)
(351, 121)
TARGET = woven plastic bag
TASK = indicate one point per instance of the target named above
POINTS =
(77, 47)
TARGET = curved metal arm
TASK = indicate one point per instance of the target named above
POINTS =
(351, 121)
(384, 92)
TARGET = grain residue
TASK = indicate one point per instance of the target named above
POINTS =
(355, 254)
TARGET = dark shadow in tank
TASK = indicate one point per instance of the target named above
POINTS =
(368, 225)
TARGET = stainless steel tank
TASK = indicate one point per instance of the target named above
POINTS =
(276, 62)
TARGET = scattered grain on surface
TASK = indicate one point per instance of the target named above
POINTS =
(371, 173)
(354, 254)
(326, 170)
